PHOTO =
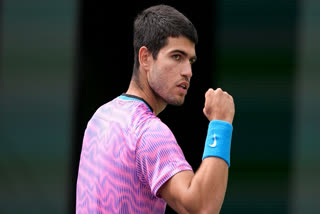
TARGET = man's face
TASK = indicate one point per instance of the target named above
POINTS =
(171, 72)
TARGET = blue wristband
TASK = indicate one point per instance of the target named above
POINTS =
(218, 141)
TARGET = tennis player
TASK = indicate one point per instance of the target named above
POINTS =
(130, 160)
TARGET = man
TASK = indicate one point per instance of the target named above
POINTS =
(130, 160)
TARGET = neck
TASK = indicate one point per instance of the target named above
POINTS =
(143, 90)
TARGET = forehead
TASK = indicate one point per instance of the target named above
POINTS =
(179, 44)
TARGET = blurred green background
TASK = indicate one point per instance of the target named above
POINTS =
(36, 96)
(266, 56)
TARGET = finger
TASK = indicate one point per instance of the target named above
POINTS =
(210, 90)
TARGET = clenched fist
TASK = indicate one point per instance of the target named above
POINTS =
(219, 105)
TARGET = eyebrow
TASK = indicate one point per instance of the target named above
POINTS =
(193, 58)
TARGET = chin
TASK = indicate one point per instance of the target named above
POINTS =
(176, 102)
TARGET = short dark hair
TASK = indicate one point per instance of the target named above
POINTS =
(154, 25)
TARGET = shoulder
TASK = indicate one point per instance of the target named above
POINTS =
(156, 138)
(155, 128)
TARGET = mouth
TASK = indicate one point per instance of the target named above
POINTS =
(184, 86)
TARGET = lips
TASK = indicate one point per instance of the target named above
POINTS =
(184, 85)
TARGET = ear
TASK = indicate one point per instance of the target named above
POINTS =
(145, 58)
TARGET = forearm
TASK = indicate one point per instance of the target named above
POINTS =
(210, 181)
(204, 191)
(207, 187)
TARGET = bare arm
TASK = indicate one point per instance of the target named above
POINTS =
(204, 191)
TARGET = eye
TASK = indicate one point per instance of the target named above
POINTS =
(176, 57)
(193, 60)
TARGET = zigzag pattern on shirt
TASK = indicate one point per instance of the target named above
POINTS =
(127, 154)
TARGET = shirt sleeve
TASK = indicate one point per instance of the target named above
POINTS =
(158, 156)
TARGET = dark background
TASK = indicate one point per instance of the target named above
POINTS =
(61, 60)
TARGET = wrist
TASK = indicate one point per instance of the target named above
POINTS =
(223, 119)
(218, 141)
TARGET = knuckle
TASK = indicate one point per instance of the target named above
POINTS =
(210, 91)
(231, 97)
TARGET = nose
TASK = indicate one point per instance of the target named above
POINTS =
(187, 71)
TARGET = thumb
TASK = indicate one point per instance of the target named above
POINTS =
(204, 111)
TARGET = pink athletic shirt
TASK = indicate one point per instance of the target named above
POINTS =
(127, 155)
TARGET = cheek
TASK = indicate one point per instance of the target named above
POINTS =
(159, 80)
(166, 73)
